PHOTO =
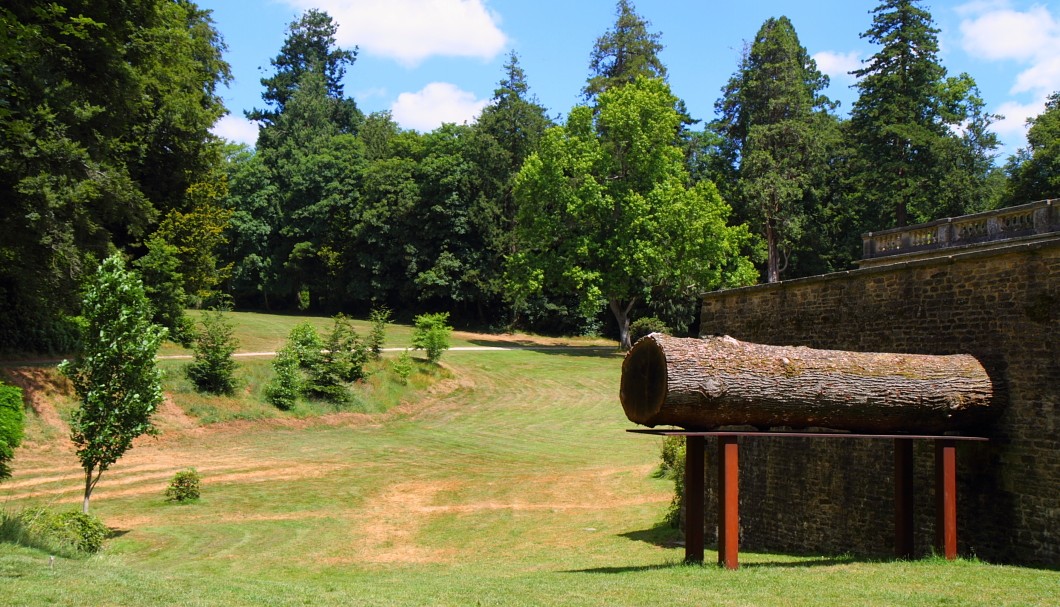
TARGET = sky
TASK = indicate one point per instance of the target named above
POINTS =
(435, 61)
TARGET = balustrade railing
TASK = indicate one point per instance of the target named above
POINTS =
(1031, 219)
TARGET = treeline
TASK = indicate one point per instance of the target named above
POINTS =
(629, 208)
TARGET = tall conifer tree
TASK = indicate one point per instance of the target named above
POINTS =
(776, 125)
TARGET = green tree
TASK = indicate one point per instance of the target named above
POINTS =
(1034, 171)
(606, 211)
(114, 375)
(906, 158)
(104, 124)
(213, 369)
(776, 128)
(624, 53)
(309, 47)
(431, 334)
(12, 419)
(253, 228)
(164, 286)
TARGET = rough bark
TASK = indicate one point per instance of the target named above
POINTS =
(718, 381)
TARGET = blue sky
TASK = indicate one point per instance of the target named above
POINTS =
(429, 61)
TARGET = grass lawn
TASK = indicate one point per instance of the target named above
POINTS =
(508, 481)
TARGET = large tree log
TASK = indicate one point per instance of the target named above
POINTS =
(701, 384)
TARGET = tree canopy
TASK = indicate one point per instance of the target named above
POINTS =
(606, 210)
(624, 53)
(104, 124)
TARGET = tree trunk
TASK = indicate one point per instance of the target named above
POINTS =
(89, 485)
(773, 259)
(719, 381)
(622, 317)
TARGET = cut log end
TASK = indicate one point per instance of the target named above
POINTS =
(643, 387)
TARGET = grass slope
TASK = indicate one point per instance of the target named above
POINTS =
(512, 483)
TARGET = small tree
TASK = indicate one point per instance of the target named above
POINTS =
(213, 369)
(341, 361)
(379, 319)
(286, 383)
(115, 374)
(12, 418)
(432, 334)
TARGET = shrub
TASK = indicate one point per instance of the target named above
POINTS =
(184, 487)
(213, 370)
(12, 419)
(379, 318)
(286, 384)
(432, 334)
(403, 366)
(342, 361)
(306, 344)
(645, 326)
(673, 462)
(63, 532)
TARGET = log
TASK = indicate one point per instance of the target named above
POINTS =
(704, 384)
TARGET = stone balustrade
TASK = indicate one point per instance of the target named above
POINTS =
(1032, 219)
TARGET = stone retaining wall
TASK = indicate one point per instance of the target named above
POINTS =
(820, 495)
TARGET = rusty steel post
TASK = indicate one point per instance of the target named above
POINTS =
(694, 498)
(946, 497)
(728, 502)
(903, 498)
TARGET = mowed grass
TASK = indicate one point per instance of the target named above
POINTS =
(511, 482)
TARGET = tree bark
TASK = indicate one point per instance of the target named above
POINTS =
(701, 384)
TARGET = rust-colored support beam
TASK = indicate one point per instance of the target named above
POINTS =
(695, 497)
(728, 502)
(903, 498)
(946, 497)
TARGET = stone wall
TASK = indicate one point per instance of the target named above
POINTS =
(836, 495)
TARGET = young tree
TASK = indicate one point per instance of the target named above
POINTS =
(114, 375)
(606, 211)
(12, 418)
(431, 334)
(213, 368)
(775, 124)
(624, 53)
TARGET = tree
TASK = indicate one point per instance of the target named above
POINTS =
(606, 211)
(12, 418)
(114, 375)
(164, 286)
(1034, 171)
(903, 126)
(213, 368)
(431, 334)
(624, 53)
(309, 48)
(774, 121)
(104, 124)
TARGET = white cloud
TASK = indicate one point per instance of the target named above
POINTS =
(1014, 123)
(996, 32)
(236, 128)
(1008, 34)
(413, 30)
(838, 65)
(436, 103)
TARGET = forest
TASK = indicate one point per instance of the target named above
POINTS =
(625, 208)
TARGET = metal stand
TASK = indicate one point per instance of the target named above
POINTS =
(729, 489)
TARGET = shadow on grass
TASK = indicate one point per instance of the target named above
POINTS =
(709, 562)
(519, 344)
(661, 535)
